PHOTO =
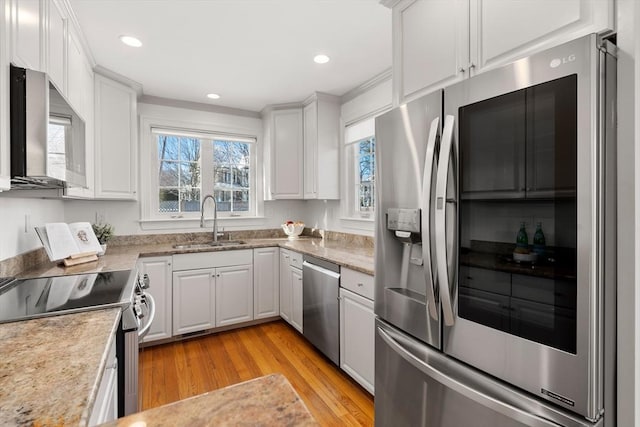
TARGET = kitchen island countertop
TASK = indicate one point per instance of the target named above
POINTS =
(51, 368)
(264, 401)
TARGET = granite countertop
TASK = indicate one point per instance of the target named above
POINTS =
(264, 401)
(50, 368)
(124, 257)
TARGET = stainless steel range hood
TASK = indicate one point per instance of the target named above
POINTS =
(47, 135)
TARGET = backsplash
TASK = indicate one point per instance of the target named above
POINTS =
(37, 257)
(13, 266)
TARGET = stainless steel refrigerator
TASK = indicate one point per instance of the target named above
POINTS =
(495, 247)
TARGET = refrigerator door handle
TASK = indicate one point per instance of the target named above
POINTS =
(488, 401)
(446, 150)
(426, 219)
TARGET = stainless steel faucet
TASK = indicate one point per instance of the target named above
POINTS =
(215, 215)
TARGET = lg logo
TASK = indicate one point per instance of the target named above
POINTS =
(555, 63)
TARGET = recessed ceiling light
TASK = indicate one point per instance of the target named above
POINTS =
(321, 59)
(213, 96)
(130, 41)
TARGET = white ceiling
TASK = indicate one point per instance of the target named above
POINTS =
(251, 52)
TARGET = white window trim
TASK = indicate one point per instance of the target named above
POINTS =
(150, 219)
(352, 132)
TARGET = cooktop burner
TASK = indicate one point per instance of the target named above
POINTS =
(48, 296)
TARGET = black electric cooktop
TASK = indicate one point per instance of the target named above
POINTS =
(48, 296)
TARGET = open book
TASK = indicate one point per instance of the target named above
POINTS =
(62, 240)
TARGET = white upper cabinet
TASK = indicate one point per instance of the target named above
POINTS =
(75, 73)
(116, 148)
(430, 45)
(321, 147)
(438, 42)
(283, 154)
(57, 46)
(27, 33)
(505, 31)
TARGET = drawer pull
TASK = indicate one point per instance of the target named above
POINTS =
(360, 284)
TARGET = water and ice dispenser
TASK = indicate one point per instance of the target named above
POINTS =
(406, 294)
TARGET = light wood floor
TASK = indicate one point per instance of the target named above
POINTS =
(175, 371)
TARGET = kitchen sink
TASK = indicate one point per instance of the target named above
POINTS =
(209, 244)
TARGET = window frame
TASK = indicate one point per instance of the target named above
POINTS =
(354, 134)
(151, 184)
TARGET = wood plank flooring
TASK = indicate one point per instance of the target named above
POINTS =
(175, 371)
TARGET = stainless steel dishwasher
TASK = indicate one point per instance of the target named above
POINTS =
(320, 307)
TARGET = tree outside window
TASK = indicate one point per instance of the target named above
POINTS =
(178, 174)
(182, 181)
(366, 161)
(231, 175)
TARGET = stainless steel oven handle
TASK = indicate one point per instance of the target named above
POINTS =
(488, 401)
(426, 219)
(446, 150)
(151, 303)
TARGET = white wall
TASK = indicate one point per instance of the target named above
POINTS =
(371, 99)
(628, 253)
(14, 239)
(126, 215)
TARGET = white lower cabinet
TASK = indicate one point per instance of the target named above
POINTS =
(234, 294)
(194, 300)
(212, 290)
(296, 298)
(105, 407)
(159, 271)
(357, 328)
(266, 282)
(291, 288)
(285, 284)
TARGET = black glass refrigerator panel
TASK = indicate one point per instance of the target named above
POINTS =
(517, 213)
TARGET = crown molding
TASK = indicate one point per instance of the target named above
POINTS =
(99, 69)
(366, 86)
(190, 105)
(389, 3)
(73, 18)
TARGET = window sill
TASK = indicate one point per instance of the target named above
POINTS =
(358, 219)
(360, 224)
(194, 223)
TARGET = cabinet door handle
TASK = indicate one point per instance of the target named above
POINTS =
(360, 284)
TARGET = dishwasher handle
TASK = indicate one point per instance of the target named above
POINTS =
(319, 269)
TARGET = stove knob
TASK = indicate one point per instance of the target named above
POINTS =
(145, 281)
(138, 311)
